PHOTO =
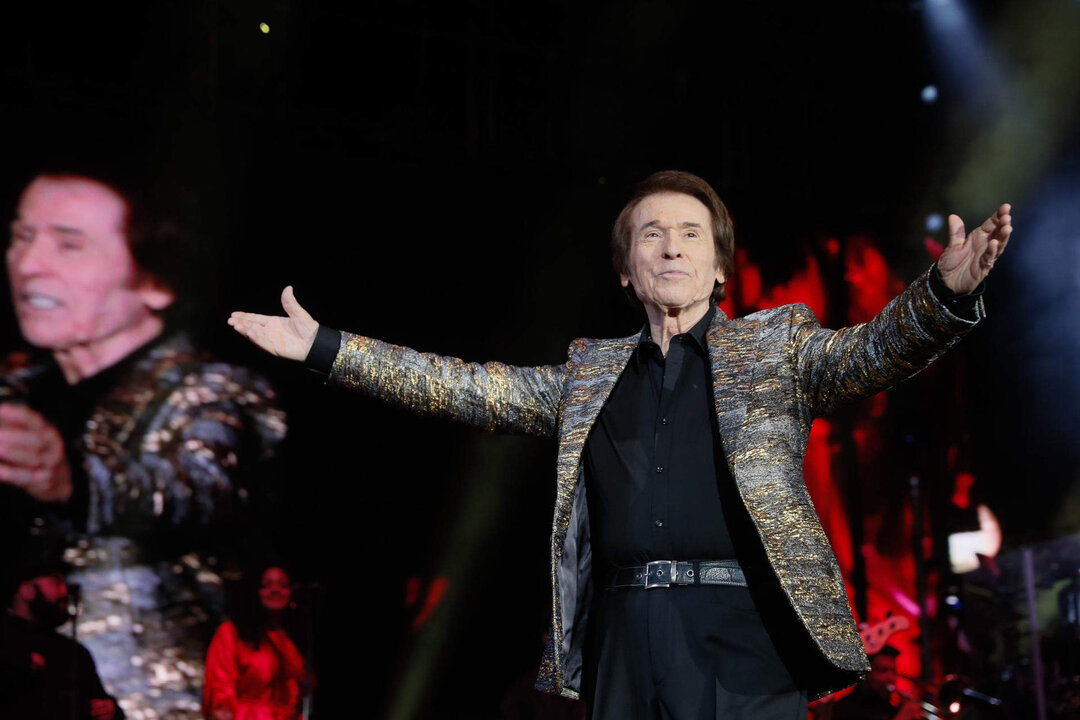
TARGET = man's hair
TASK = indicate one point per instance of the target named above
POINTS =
(675, 181)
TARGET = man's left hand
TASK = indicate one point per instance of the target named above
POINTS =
(967, 260)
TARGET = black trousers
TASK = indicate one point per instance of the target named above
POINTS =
(685, 653)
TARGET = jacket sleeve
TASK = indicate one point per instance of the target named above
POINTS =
(492, 396)
(910, 333)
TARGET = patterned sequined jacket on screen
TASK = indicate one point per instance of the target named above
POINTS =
(773, 372)
(170, 450)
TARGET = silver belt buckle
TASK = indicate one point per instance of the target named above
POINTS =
(664, 571)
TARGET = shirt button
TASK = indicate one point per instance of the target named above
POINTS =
(663, 421)
(659, 468)
(659, 523)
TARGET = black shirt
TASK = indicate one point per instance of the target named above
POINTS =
(653, 462)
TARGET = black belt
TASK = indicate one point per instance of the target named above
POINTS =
(665, 573)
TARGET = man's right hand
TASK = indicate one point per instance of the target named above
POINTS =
(288, 337)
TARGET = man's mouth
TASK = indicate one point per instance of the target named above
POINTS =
(40, 302)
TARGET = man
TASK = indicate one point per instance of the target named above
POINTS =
(872, 698)
(679, 463)
(118, 432)
(44, 674)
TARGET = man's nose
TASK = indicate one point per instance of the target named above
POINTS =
(670, 246)
(29, 258)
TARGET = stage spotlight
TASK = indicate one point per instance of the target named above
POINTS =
(264, 28)
(929, 94)
(934, 222)
(967, 63)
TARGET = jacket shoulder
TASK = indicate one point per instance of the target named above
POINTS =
(176, 385)
(792, 313)
(581, 347)
(177, 364)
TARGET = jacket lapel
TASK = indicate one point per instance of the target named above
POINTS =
(593, 380)
(731, 357)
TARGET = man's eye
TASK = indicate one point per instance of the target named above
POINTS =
(70, 245)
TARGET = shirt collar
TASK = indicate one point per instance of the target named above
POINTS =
(696, 333)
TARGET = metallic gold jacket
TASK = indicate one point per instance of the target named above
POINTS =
(773, 373)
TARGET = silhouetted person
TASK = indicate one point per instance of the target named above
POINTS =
(43, 674)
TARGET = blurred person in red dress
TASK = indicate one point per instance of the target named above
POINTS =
(254, 671)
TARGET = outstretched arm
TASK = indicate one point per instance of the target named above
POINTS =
(905, 337)
(492, 396)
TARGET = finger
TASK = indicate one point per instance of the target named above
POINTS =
(18, 415)
(992, 223)
(257, 328)
(991, 254)
(291, 306)
(1003, 238)
(15, 475)
(244, 318)
(52, 448)
(956, 230)
(21, 447)
(248, 324)
(1000, 220)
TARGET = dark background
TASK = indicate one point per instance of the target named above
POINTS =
(444, 175)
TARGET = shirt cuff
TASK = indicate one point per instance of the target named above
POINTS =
(324, 350)
(963, 306)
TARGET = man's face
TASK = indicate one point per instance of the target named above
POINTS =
(882, 676)
(673, 262)
(73, 279)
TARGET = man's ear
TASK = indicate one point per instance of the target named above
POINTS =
(155, 294)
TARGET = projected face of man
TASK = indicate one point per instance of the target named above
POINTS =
(75, 285)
